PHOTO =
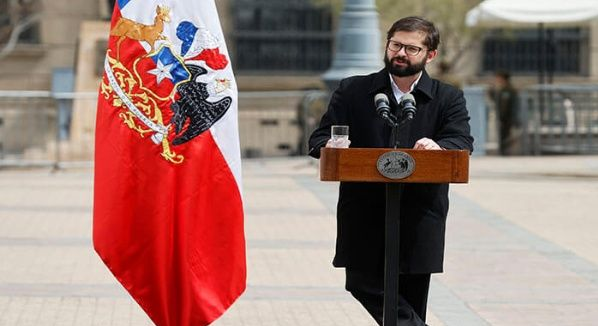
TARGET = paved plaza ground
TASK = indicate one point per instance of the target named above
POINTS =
(522, 249)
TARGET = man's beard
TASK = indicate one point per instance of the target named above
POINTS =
(409, 70)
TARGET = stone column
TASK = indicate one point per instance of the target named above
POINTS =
(357, 43)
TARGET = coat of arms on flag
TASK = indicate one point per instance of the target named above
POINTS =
(168, 210)
(168, 88)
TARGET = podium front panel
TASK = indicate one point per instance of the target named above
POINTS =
(360, 164)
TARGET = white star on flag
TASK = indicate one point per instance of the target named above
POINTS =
(162, 71)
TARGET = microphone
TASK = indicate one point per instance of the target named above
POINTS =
(408, 105)
(382, 105)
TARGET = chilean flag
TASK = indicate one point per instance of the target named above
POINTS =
(168, 219)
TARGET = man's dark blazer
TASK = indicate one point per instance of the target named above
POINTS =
(441, 116)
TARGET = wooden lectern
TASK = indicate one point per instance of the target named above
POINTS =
(407, 166)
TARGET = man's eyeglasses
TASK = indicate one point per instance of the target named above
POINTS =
(411, 50)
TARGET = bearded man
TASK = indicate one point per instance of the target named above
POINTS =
(442, 122)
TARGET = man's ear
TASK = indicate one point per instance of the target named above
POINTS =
(431, 55)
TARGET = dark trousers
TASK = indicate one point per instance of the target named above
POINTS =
(368, 289)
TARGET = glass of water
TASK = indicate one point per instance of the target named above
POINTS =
(340, 136)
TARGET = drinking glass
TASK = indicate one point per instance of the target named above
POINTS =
(340, 136)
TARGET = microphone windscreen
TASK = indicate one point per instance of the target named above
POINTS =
(380, 97)
(408, 97)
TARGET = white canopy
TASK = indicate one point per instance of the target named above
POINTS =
(506, 12)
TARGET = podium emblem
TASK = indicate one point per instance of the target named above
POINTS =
(396, 165)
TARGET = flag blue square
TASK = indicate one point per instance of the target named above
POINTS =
(178, 71)
(122, 3)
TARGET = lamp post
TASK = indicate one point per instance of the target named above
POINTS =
(358, 49)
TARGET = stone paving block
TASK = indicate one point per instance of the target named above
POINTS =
(303, 312)
(32, 264)
(12, 311)
(507, 314)
(67, 311)
(22, 224)
(292, 267)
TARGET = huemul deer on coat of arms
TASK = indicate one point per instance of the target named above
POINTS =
(126, 28)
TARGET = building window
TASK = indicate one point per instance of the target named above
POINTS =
(560, 51)
(281, 36)
(30, 35)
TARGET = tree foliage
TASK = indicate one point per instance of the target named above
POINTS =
(447, 15)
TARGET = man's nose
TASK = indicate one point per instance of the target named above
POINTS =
(402, 52)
